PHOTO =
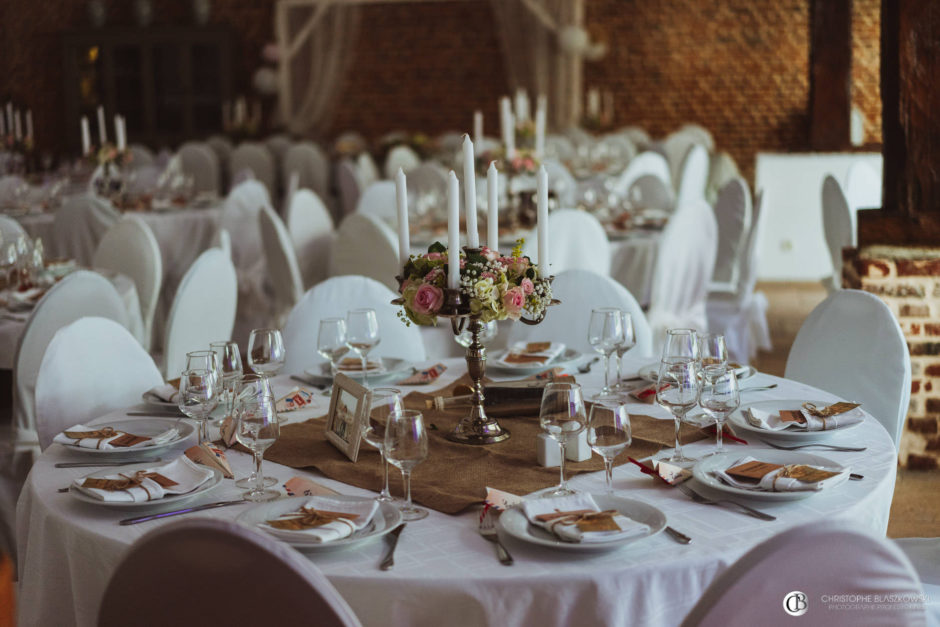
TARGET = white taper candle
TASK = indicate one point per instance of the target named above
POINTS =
(478, 128)
(86, 136)
(453, 231)
(505, 124)
(540, 128)
(404, 237)
(102, 131)
(511, 138)
(470, 192)
(18, 125)
(29, 124)
(492, 216)
(542, 203)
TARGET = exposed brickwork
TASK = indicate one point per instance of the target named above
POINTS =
(866, 64)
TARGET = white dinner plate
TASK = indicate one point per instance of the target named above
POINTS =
(386, 518)
(703, 472)
(567, 358)
(738, 420)
(650, 372)
(515, 524)
(138, 426)
(392, 369)
(170, 500)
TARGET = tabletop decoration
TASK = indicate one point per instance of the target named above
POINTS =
(349, 407)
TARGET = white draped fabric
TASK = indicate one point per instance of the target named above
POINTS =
(838, 227)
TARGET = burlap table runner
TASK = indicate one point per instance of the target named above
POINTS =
(455, 476)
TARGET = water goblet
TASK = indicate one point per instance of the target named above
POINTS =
(605, 332)
(257, 428)
(720, 397)
(362, 335)
(198, 396)
(608, 432)
(629, 341)
(385, 401)
(230, 365)
(251, 387)
(561, 415)
(681, 343)
(677, 389)
(406, 446)
(331, 341)
(266, 352)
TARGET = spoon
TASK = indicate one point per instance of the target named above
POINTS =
(586, 367)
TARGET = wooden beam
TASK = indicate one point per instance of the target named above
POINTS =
(830, 74)
(307, 28)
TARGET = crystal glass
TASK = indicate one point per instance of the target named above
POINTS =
(198, 396)
(205, 360)
(257, 428)
(720, 396)
(406, 446)
(712, 350)
(464, 338)
(629, 341)
(681, 343)
(251, 387)
(678, 391)
(266, 352)
(605, 332)
(230, 365)
(385, 401)
(608, 433)
(331, 341)
(562, 415)
(362, 335)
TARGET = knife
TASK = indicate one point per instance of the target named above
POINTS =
(159, 414)
(178, 512)
(678, 536)
(124, 462)
(389, 560)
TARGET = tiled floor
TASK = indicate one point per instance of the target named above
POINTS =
(915, 511)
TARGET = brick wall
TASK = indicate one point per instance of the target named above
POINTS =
(908, 280)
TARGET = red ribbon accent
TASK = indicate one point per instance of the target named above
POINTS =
(646, 470)
(713, 430)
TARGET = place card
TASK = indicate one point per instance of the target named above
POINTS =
(212, 457)
(303, 486)
(294, 400)
(792, 415)
(753, 470)
(832, 410)
(501, 500)
(807, 474)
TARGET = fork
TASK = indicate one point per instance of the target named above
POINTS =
(698, 498)
(488, 530)
(759, 388)
(586, 367)
(831, 447)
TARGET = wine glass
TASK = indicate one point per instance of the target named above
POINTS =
(720, 397)
(629, 341)
(257, 428)
(562, 415)
(677, 389)
(385, 401)
(605, 332)
(331, 341)
(251, 387)
(712, 350)
(681, 343)
(609, 432)
(362, 335)
(230, 365)
(406, 446)
(207, 360)
(266, 352)
(198, 396)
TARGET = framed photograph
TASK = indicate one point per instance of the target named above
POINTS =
(349, 409)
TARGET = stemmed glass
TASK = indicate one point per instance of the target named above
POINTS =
(712, 350)
(605, 332)
(720, 397)
(251, 387)
(609, 433)
(385, 401)
(331, 341)
(677, 389)
(681, 343)
(257, 428)
(362, 335)
(207, 360)
(629, 341)
(266, 352)
(562, 415)
(198, 396)
(406, 446)
(230, 365)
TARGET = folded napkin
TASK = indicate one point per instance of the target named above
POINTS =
(323, 519)
(778, 421)
(538, 353)
(354, 364)
(168, 393)
(178, 477)
(295, 399)
(748, 473)
(423, 377)
(106, 438)
(577, 518)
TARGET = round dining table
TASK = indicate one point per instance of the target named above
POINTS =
(445, 573)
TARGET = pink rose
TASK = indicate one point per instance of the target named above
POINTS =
(431, 276)
(428, 299)
(434, 256)
(527, 286)
(488, 275)
(514, 301)
(489, 254)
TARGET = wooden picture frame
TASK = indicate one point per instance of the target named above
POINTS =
(349, 409)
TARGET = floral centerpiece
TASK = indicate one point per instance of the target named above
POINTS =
(524, 162)
(110, 155)
(496, 287)
(525, 134)
(420, 143)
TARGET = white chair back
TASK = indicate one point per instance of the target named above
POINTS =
(851, 345)
(130, 248)
(278, 145)
(378, 200)
(559, 147)
(651, 192)
(400, 157)
(368, 171)
(311, 230)
(699, 134)
(349, 184)
(428, 177)
(203, 310)
(693, 176)
(141, 156)
(256, 158)
(721, 170)
(367, 246)
(200, 162)
(222, 147)
(91, 367)
(733, 214)
(309, 162)
(240, 218)
(227, 560)
(838, 226)
(648, 162)
(12, 187)
(332, 299)
(79, 224)
(577, 241)
(638, 136)
(748, 270)
(862, 186)
(818, 561)
(10, 230)
(283, 269)
(924, 554)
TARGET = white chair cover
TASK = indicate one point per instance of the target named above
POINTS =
(350, 186)
(820, 561)
(307, 160)
(91, 367)
(428, 177)
(616, 149)
(838, 227)
(283, 270)
(10, 186)
(637, 135)
(577, 240)
(693, 177)
(851, 345)
(862, 187)
(196, 563)
(222, 147)
(240, 218)
(141, 156)
(78, 295)
(580, 291)
(924, 554)
(10, 230)
(699, 134)
(651, 192)
(257, 159)
(378, 200)
(648, 162)
(367, 246)
(400, 157)
(278, 145)
(684, 264)
(559, 147)
(561, 181)
(733, 213)
(224, 241)
(368, 171)
(722, 169)
(79, 224)
(203, 310)
(130, 248)
(200, 162)
(311, 230)
(332, 299)
(674, 148)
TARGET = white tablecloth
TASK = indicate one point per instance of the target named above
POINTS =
(444, 572)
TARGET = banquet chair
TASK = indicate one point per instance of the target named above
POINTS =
(368, 171)
(222, 147)
(308, 161)
(559, 147)
(733, 214)
(637, 135)
(10, 188)
(683, 267)
(924, 554)
(616, 148)
(721, 170)
(10, 230)
(838, 227)
(283, 270)
(141, 156)
(403, 157)
(651, 192)
(580, 291)
(311, 231)
(203, 309)
(257, 159)
(817, 561)
(378, 200)
(350, 186)
(333, 299)
(200, 162)
(208, 571)
(852, 346)
(699, 134)
(428, 178)
(224, 241)
(80, 294)
(277, 145)
(577, 240)
(79, 224)
(91, 367)
(862, 187)
(648, 162)
(693, 176)
(367, 246)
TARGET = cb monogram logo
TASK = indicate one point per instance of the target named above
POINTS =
(795, 603)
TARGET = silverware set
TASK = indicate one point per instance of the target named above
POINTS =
(487, 530)
(828, 447)
(759, 388)
(750, 511)
(389, 560)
